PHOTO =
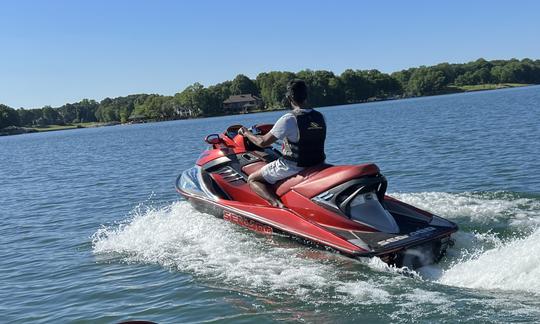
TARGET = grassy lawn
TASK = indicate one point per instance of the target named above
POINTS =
(479, 87)
(50, 128)
(88, 124)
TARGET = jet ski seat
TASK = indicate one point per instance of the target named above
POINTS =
(314, 180)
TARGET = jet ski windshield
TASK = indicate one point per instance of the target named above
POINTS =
(191, 181)
(232, 131)
(366, 208)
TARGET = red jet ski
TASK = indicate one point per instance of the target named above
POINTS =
(340, 207)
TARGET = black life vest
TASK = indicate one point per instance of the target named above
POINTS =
(309, 150)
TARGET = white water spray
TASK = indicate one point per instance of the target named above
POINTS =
(214, 250)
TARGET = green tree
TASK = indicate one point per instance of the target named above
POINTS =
(403, 77)
(273, 86)
(382, 85)
(217, 94)
(86, 110)
(158, 107)
(243, 85)
(51, 116)
(8, 117)
(106, 111)
(448, 70)
(69, 113)
(321, 93)
(425, 81)
(197, 99)
(29, 117)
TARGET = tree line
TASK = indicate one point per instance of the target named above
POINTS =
(326, 89)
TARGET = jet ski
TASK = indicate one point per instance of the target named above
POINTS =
(343, 208)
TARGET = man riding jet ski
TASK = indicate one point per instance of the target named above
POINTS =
(343, 208)
(303, 133)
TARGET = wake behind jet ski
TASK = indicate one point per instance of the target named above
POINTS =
(341, 207)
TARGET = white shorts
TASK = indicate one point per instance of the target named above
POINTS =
(279, 170)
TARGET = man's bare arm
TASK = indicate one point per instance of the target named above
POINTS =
(261, 141)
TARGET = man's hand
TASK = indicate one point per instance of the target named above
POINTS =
(243, 130)
(261, 141)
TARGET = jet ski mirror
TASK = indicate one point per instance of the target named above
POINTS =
(254, 130)
(212, 139)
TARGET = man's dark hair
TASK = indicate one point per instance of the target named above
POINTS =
(297, 91)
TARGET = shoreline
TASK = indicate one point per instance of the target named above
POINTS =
(14, 130)
(450, 90)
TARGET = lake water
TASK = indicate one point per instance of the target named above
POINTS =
(92, 230)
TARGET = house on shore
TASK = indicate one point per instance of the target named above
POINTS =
(241, 104)
(178, 113)
(183, 112)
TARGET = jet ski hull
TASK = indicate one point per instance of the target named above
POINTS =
(412, 250)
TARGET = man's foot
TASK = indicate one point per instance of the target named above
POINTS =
(263, 191)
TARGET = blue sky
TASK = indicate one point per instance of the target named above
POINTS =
(53, 52)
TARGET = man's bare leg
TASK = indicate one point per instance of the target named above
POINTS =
(259, 185)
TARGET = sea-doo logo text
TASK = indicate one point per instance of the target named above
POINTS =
(420, 232)
(393, 239)
(247, 223)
